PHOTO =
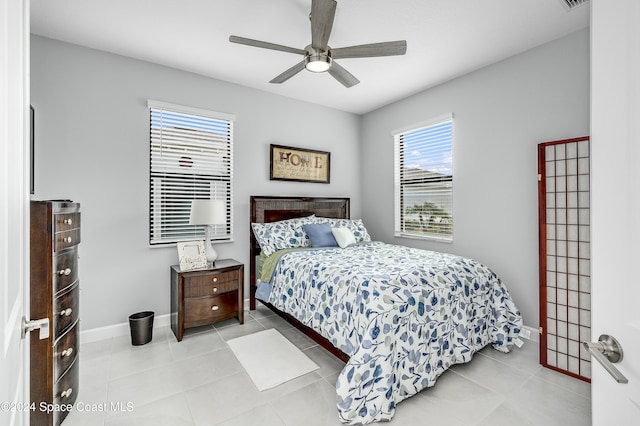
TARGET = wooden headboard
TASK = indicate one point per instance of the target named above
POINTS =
(273, 209)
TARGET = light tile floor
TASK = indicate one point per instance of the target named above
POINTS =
(200, 382)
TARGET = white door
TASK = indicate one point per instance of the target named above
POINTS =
(14, 207)
(615, 177)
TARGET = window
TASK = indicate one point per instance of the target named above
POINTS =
(191, 158)
(424, 180)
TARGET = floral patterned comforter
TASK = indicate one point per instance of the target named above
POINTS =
(403, 315)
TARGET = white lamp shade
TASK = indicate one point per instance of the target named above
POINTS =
(208, 212)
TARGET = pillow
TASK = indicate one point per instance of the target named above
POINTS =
(343, 236)
(274, 236)
(320, 234)
(355, 225)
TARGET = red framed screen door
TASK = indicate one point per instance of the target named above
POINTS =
(565, 270)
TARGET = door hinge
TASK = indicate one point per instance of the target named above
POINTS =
(539, 177)
(41, 324)
(540, 330)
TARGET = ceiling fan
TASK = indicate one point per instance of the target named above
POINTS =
(318, 56)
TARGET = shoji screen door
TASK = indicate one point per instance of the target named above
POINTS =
(565, 287)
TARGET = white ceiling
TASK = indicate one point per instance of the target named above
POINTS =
(445, 39)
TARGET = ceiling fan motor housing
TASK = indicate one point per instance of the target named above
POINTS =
(316, 60)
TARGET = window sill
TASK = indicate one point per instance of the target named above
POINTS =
(448, 240)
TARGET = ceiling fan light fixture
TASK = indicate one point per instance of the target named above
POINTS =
(317, 63)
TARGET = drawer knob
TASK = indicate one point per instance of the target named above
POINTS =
(67, 221)
(215, 289)
(214, 308)
(66, 312)
(67, 352)
(67, 240)
(67, 393)
(64, 271)
(215, 279)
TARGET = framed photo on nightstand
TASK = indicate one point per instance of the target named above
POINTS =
(191, 255)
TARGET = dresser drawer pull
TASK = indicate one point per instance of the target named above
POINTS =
(67, 352)
(215, 289)
(67, 221)
(67, 393)
(215, 279)
(67, 240)
(64, 271)
(214, 308)
(66, 312)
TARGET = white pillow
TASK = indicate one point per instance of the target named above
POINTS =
(343, 236)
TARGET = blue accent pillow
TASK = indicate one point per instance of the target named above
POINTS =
(320, 235)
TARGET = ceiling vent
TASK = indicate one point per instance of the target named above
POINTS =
(572, 4)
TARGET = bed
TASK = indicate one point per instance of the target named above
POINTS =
(399, 317)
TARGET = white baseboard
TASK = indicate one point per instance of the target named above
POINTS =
(117, 330)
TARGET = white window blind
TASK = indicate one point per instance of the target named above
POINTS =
(191, 158)
(424, 180)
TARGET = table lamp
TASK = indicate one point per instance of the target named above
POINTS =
(207, 213)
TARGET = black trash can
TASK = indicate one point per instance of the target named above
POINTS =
(141, 325)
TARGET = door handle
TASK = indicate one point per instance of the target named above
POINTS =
(41, 324)
(607, 351)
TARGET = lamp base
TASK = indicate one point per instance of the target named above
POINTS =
(209, 251)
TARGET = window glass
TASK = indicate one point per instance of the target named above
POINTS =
(424, 180)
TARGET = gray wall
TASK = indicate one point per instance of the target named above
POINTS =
(501, 113)
(92, 146)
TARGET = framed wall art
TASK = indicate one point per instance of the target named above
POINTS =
(299, 164)
(191, 255)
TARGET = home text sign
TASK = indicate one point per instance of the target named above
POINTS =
(299, 164)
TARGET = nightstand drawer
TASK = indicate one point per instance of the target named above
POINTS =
(204, 309)
(212, 278)
(211, 284)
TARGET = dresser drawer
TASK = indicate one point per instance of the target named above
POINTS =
(66, 309)
(210, 284)
(66, 221)
(65, 352)
(207, 309)
(65, 269)
(65, 391)
(66, 239)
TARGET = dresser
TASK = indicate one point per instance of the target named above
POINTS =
(54, 366)
(206, 296)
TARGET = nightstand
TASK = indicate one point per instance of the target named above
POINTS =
(206, 296)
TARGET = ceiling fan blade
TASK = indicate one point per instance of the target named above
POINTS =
(342, 75)
(288, 73)
(388, 48)
(265, 45)
(322, 14)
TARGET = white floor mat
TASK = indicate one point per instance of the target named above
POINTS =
(270, 359)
